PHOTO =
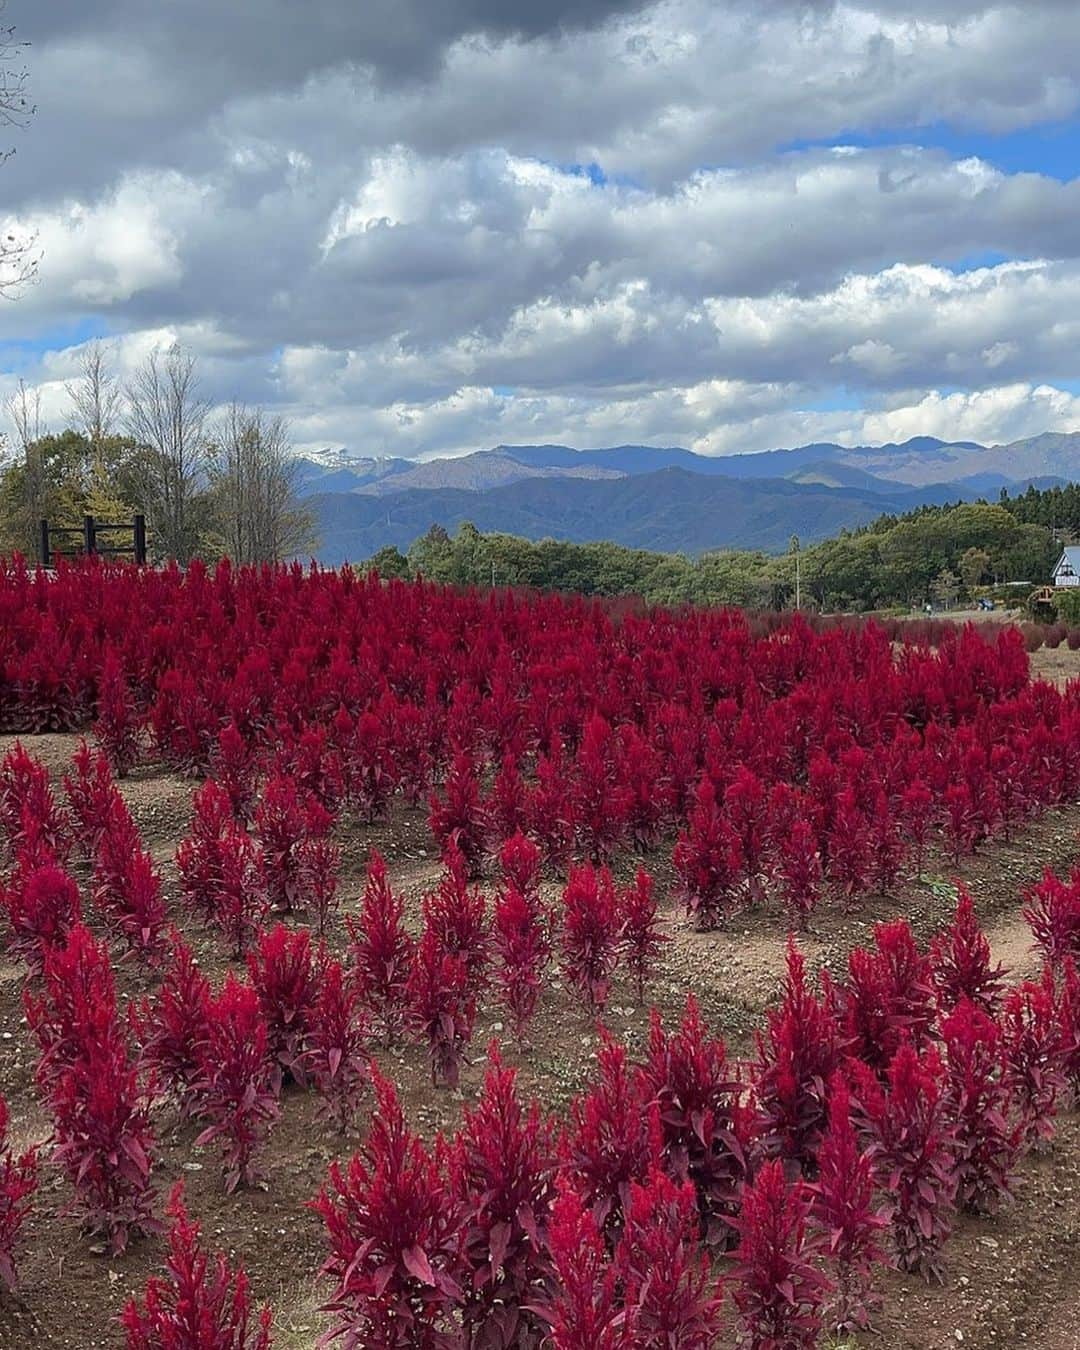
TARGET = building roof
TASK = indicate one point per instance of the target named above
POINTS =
(1070, 555)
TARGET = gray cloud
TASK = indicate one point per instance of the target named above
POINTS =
(357, 212)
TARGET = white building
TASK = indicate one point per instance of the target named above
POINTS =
(1067, 572)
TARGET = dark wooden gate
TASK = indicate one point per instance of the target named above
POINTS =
(53, 539)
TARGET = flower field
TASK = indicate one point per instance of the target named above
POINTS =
(433, 968)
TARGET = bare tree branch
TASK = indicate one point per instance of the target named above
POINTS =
(18, 247)
(167, 417)
(252, 473)
(96, 399)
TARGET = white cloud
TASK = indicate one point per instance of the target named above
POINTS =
(380, 227)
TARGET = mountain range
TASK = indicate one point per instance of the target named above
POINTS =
(670, 499)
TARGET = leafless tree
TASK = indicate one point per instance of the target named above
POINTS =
(96, 396)
(18, 248)
(252, 472)
(25, 481)
(24, 412)
(167, 417)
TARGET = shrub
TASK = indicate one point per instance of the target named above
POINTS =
(90, 793)
(442, 1006)
(28, 810)
(18, 1182)
(978, 1102)
(77, 1003)
(320, 862)
(505, 808)
(184, 726)
(241, 902)
(519, 863)
(550, 810)
(335, 1058)
(849, 847)
(504, 1166)
(708, 861)
(200, 857)
(843, 1211)
(912, 1148)
(799, 872)
(706, 1126)
(459, 820)
(640, 934)
(522, 951)
(672, 1298)
(127, 889)
(778, 1289)
(232, 766)
(746, 807)
(381, 952)
(1069, 1027)
(916, 814)
(796, 1057)
(601, 801)
(103, 1141)
(455, 912)
(650, 794)
(285, 978)
(367, 754)
(960, 957)
(117, 727)
(606, 1146)
(394, 1231)
(889, 995)
(1053, 914)
(236, 1081)
(1034, 1055)
(584, 1311)
(590, 934)
(961, 822)
(197, 1303)
(174, 1028)
(282, 823)
(886, 845)
(143, 919)
(43, 906)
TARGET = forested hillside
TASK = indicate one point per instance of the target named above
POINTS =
(937, 553)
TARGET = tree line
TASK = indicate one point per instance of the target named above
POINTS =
(940, 554)
(209, 485)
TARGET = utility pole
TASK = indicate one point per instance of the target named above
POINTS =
(793, 547)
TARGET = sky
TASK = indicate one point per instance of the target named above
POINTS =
(423, 227)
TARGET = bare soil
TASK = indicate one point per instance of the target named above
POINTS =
(1011, 1280)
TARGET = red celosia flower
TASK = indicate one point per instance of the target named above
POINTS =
(381, 951)
(778, 1288)
(196, 1303)
(236, 1081)
(590, 934)
(18, 1182)
(844, 1212)
(639, 929)
(395, 1234)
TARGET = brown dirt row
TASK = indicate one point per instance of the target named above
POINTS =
(1009, 1278)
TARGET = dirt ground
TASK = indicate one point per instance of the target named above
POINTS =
(1011, 1281)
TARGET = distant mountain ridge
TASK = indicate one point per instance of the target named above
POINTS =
(667, 498)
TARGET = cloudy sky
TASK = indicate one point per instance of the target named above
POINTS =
(429, 226)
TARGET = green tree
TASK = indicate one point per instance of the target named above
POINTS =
(390, 562)
(973, 567)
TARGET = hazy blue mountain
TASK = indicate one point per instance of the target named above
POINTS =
(663, 498)
(916, 463)
(670, 510)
